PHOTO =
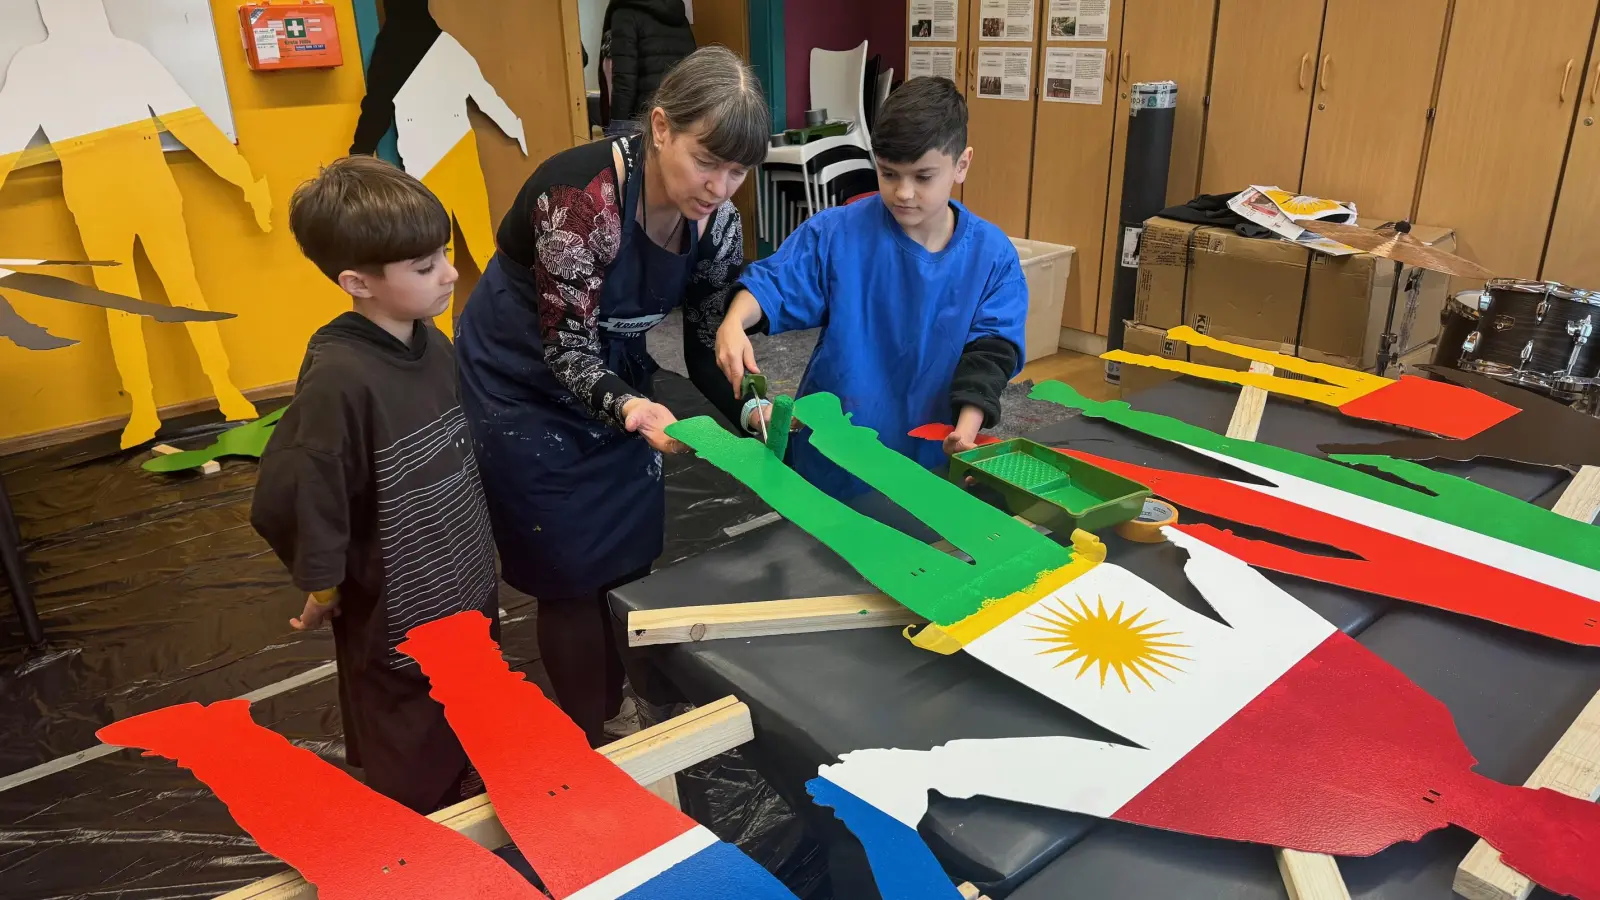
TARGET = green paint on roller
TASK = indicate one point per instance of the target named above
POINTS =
(778, 426)
(1444, 498)
(1008, 556)
(249, 439)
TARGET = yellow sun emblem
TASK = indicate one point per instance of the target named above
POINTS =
(1112, 642)
(1300, 205)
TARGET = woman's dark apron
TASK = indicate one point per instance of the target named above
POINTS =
(574, 501)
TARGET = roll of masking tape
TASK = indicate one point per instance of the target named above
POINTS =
(1146, 528)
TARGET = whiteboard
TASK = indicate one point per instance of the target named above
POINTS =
(179, 33)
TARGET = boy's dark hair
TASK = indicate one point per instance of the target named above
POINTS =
(363, 213)
(922, 114)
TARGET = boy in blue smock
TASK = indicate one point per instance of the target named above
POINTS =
(920, 302)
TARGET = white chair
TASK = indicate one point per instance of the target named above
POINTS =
(837, 85)
(885, 80)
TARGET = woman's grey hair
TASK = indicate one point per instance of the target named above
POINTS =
(714, 93)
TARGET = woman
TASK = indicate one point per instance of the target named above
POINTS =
(602, 242)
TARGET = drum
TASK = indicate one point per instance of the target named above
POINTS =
(1457, 320)
(1540, 335)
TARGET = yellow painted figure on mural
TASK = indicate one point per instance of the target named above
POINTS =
(437, 144)
(93, 94)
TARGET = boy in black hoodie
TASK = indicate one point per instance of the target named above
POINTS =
(368, 490)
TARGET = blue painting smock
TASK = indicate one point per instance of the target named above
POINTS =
(895, 319)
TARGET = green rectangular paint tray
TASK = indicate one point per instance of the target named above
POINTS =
(1049, 488)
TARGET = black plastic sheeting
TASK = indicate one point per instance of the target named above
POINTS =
(154, 590)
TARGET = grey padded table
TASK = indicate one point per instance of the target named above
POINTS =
(815, 696)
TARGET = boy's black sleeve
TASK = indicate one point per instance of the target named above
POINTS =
(309, 473)
(985, 366)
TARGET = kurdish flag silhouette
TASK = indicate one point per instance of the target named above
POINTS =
(1268, 726)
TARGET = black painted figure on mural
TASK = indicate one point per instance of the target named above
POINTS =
(407, 34)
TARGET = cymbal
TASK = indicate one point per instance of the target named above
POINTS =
(1390, 242)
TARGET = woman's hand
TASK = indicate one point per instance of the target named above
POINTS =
(650, 420)
(752, 422)
(735, 355)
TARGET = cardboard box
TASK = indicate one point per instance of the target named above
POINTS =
(1257, 290)
(1148, 341)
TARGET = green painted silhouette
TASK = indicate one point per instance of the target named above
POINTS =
(1008, 556)
(249, 439)
(1420, 489)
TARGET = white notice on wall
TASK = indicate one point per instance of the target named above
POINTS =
(267, 44)
(933, 62)
(933, 20)
(1004, 74)
(1074, 76)
(1006, 20)
(1079, 20)
(1130, 246)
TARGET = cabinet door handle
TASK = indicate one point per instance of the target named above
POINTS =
(1304, 61)
(1566, 76)
(1594, 85)
(1322, 77)
(1127, 66)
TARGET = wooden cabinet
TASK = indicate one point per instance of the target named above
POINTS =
(1162, 40)
(1571, 258)
(727, 22)
(957, 49)
(1264, 67)
(1000, 132)
(1374, 86)
(1072, 171)
(532, 55)
(1513, 77)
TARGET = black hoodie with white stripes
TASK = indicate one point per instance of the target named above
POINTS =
(369, 485)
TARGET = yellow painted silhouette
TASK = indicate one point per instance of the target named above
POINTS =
(97, 98)
(457, 180)
(1342, 385)
(438, 147)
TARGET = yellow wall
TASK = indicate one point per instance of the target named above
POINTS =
(288, 124)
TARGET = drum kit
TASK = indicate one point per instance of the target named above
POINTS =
(1540, 335)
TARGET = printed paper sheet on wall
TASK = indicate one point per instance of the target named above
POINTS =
(933, 62)
(1079, 20)
(1006, 20)
(933, 20)
(1074, 76)
(1005, 74)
